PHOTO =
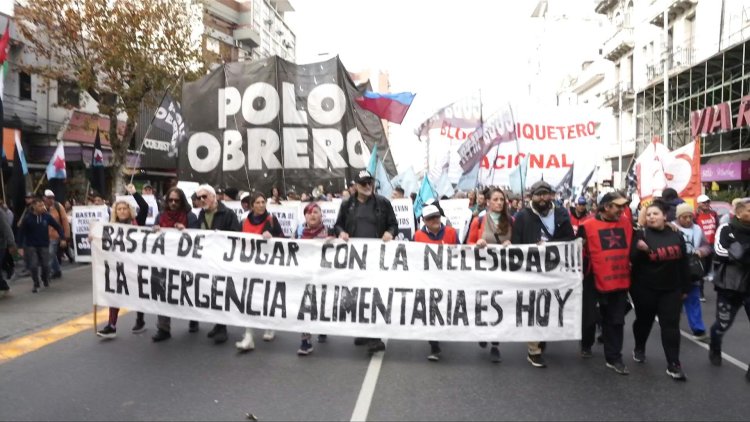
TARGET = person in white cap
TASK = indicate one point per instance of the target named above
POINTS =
(708, 220)
(57, 211)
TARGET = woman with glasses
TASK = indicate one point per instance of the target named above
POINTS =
(493, 228)
(660, 283)
(259, 221)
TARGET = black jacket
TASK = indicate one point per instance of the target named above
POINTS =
(732, 248)
(384, 215)
(142, 214)
(665, 265)
(34, 230)
(224, 219)
(528, 227)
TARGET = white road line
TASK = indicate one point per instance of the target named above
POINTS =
(730, 359)
(362, 408)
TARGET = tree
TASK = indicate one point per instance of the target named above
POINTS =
(120, 52)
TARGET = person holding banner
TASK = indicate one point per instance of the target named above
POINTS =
(435, 232)
(661, 281)
(177, 215)
(215, 216)
(540, 223)
(123, 213)
(366, 215)
(313, 228)
(492, 228)
(607, 239)
(259, 221)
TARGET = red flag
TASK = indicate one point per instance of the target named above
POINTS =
(4, 41)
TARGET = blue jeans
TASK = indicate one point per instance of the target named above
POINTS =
(693, 310)
(54, 263)
(728, 303)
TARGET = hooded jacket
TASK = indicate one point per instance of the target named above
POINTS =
(34, 230)
(732, 248)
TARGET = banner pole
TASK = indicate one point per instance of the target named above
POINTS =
(95, 322)
(2, 182)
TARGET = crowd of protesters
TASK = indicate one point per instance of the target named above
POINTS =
(654, 260)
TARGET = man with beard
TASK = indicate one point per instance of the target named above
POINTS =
(177, 215)
(542, 222)
(215, 216)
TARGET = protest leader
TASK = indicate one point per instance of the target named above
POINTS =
(177, 215)
(370, 216)
(542, 222)
(214, 215)
(607, 241)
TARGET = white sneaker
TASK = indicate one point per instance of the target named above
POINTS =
(247, 343)
(269, 335)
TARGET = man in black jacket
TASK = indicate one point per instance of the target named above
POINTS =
(540, 223)
(215, 216)
(732, 281)
(366, 215)
(34, 236)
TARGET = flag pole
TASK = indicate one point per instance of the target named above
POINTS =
(2, 182)
(23, 214)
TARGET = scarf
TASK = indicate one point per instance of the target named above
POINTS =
(739, 225)
(310, 233)
(491, 233)
(170, 218)
(256, 220)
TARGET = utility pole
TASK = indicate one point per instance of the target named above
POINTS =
(665, 116)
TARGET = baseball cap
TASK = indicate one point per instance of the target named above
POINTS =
(540, 187)
(429, 211)
(362, 176)
(614, 198)
(49, 193)
(703, 198)
(581, 200)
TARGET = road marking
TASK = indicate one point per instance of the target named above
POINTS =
(736, 362)
(362, 408)
(35, 341)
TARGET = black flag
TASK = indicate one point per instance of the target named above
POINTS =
(565, 187)
(97, 167)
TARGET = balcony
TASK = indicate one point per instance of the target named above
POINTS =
(590, 75)
(619, 45)
(19, 110)
(612, 96)
(674, 8)
(602, 6)
(247, 36)
(680, 58)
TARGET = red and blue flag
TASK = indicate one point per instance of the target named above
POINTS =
(391, 107)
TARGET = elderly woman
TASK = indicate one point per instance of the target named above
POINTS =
(313, 228)
(123, 213)
(259, 221)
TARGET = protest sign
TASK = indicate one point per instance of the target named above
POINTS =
(404, 210)
(364, 287)
(458, 213)
(81, 219)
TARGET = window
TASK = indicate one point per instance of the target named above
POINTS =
(24, 86)
(68, 93)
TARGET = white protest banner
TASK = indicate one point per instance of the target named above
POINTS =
(153, 206)
(235, 206)
(188, 188)
(81, 220)
(288, 215)
(363, 288)
(330, 210)
(458, 213)
(404, 210)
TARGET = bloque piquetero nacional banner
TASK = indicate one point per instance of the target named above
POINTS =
(264, 123)
(365, 288)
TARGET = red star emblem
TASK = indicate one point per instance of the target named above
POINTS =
(613, 240)
(59, 163)
(98, 156)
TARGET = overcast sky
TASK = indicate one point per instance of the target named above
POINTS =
(441, 50)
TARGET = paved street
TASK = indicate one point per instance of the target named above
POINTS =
(82, 377)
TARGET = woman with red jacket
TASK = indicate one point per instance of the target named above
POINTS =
(435, 232)
(493, 228)
(259, 221)
(313, 228)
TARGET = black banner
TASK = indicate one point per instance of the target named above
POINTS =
(274, 123)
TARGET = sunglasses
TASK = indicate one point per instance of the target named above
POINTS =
(366, 182)
(175, 200)
(202, 197)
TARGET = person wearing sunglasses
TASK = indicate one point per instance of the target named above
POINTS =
(214, 215)
(366, 215)
(177, 215)
(607, 240)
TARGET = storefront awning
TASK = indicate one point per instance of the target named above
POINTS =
(82, 128)
(727, 167)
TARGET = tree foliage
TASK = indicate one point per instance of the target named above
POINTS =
(121, 52)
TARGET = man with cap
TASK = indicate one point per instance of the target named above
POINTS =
(57, 211)
(607, 239)
(579, 213)
(366, 215)
(542, 222)
(708, 220)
